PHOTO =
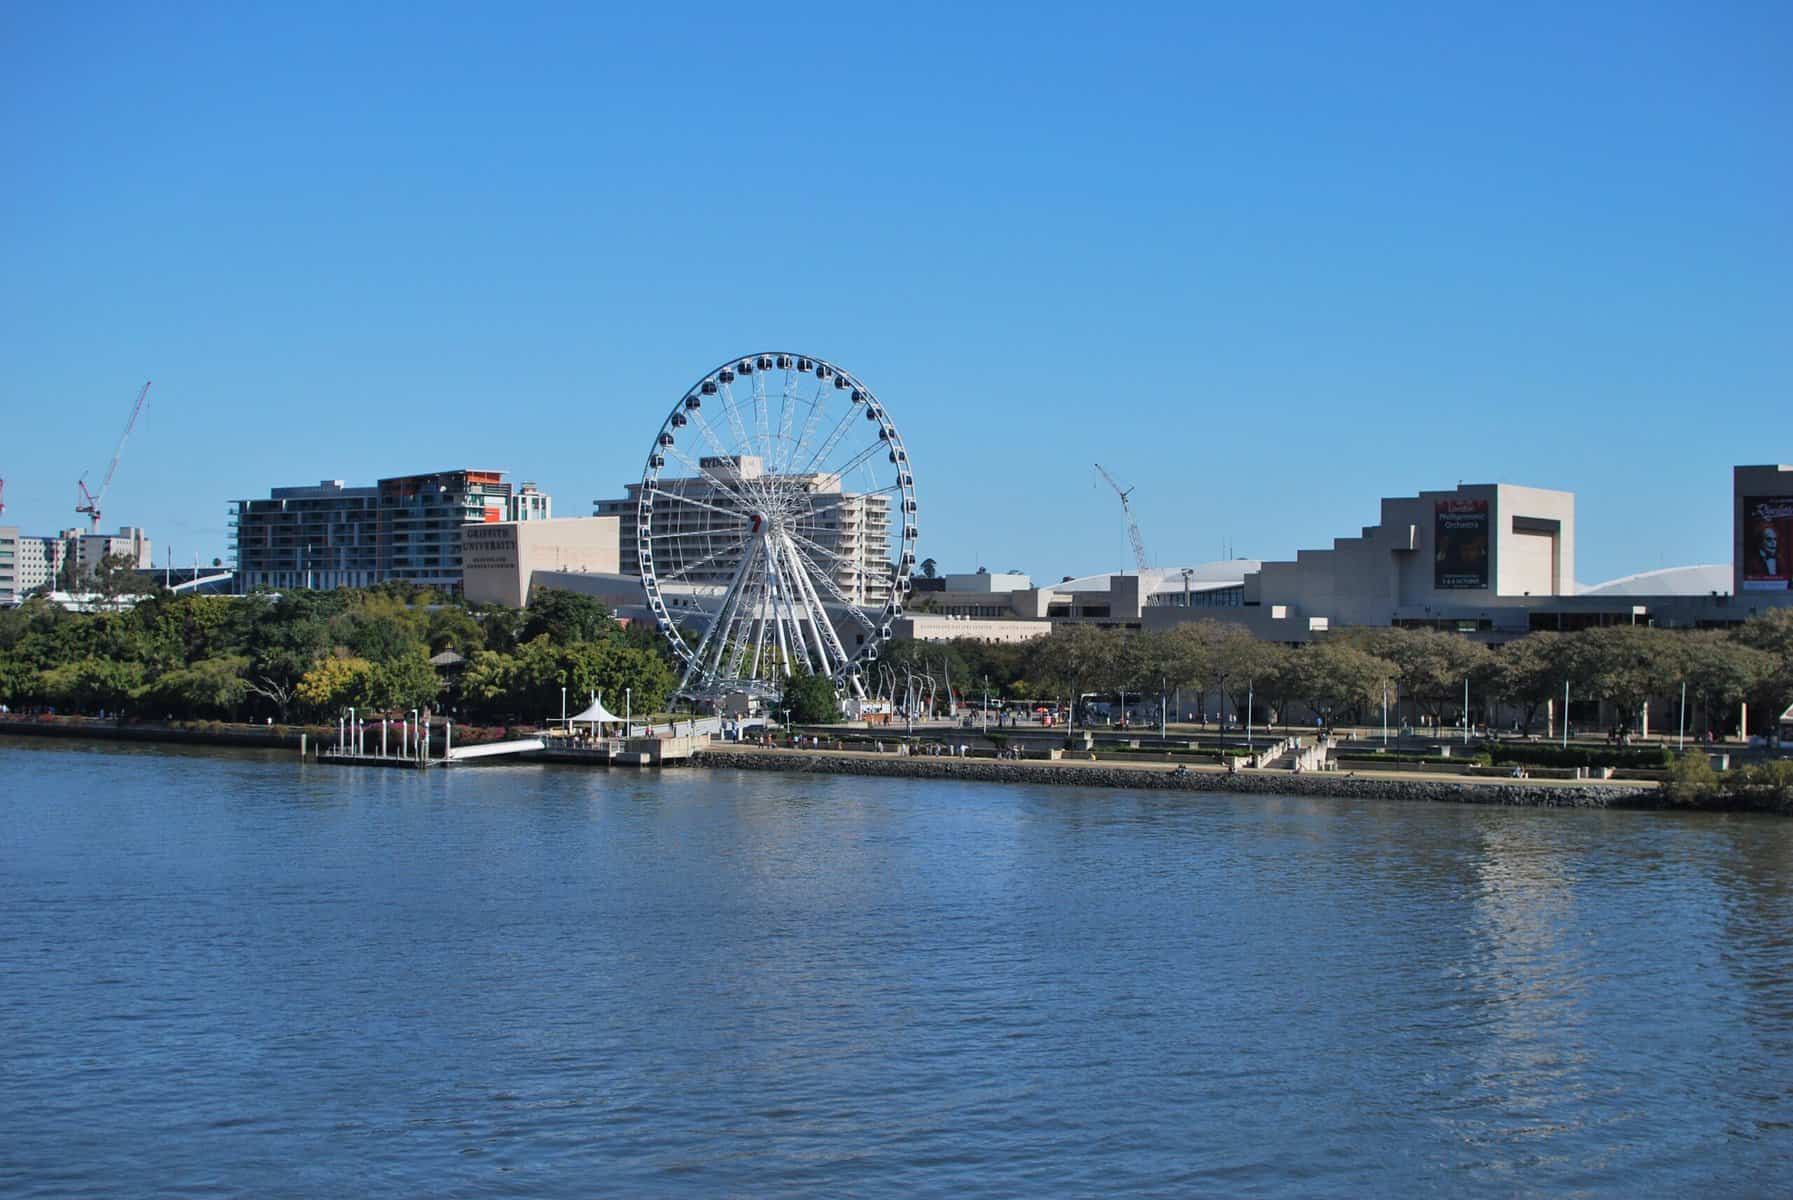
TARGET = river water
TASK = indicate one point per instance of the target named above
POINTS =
(227, 974)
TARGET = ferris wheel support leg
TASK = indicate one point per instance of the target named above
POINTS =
(828, 640)
(809, 624)
(716, 625)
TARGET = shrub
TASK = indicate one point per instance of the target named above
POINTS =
(1691, 781)
(1645, 757)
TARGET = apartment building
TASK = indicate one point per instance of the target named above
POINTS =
(407, 527)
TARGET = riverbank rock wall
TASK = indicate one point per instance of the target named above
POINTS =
(1318, 784)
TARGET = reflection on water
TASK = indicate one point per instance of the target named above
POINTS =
(229, 973)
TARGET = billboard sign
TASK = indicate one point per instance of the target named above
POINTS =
(1767, 542)
(1460, 545)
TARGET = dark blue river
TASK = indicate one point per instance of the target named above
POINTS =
(224, 974)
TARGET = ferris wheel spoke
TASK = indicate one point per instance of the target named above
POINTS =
(694, 502)
(791, 645)
(716, 481)
(797, 607)
(827, 640)
(827, 447)
(683, 572)
(844, 560)
(758, 638)
(811, 419)
(864, 456)
(709, 434)
(787, 408)
(762, 416)
(714, 531)
(736, 425)
(816, 572)
(841, 498)
(703, 646)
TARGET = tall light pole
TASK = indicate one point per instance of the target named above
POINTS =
(986, 704)
(628, 712)
(1385, 715)
(1565, 721)
(1466, 711)
(1250, 703)
(1683, 739)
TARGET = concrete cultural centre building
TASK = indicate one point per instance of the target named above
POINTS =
(1491, 561)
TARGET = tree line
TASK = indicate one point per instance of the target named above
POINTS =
(307, 655)
(1343, 676)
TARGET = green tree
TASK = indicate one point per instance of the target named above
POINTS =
(334, 684)
(210, 687)
(487, 683)
(1626, 665)
(1771, 632)
(116, 575)
(1074, 658)
(403, 682)
(1528, 672)
(93, 684)
(1430, 665)
(1248, 670)
(452, 627)
(1332, 677)
(811, 699)
(1723, 672)
(565, 617)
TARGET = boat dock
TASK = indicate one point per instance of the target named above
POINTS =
(409, 753)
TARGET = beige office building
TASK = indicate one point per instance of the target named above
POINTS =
(500, 561)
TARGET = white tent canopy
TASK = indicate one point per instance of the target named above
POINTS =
(597, 714)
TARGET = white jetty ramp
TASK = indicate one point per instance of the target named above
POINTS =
(495, 749)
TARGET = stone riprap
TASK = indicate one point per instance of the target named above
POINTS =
(1330, 783)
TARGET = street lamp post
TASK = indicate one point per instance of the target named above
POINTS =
(628, 712)
(1250, 703)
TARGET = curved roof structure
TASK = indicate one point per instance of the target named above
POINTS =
(1225, 573)
(1701, 580)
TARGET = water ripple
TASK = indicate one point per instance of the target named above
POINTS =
(227, 975)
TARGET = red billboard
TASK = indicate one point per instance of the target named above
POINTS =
(1767, 541)
(1460, 545)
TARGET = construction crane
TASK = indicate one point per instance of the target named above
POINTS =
(1139, 544)
(90, 503)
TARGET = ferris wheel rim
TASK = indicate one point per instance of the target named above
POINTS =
(775, 592)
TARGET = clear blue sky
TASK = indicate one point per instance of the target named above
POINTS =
(1268, 266)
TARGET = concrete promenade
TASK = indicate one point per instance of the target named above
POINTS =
(1435, 787)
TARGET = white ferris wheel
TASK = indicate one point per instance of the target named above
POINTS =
(775, 526)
